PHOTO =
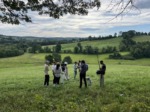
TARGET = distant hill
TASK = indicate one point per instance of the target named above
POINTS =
(32, 38)
(104, 43)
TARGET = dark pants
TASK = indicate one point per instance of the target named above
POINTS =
(46, 82)
(83, 77)
(56, 80)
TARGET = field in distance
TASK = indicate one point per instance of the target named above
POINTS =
(103, 43)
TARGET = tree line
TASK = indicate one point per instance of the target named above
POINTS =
(13, 46)
(136, 49)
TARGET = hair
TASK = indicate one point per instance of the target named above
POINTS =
(83, 61)
(57, 66)
(101, 61)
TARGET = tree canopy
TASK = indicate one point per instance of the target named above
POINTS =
(15, 11)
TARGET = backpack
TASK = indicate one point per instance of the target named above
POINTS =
(87, 67)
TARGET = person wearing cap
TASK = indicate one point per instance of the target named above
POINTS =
(46, 69)
(102, 73)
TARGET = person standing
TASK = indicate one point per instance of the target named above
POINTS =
(75, 67)
(53, 68)
(83, 73)
(66, 71)
(57, 73)
(46, 69)
(102, 73)
(79, 66)
(62, 77)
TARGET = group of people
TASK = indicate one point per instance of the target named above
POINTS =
(60, 72)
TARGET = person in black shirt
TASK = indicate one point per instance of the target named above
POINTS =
(102, 69)
(83, 73)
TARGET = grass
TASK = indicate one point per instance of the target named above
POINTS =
(126, 86)
(103, 43)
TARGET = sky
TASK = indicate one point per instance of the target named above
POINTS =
(97, 22)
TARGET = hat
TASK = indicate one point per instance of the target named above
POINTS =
(65, 63)
(47, 61)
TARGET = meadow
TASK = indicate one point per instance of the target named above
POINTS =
(114, 42)
(126, 86)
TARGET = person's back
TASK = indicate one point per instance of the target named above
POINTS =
(103, 69)
(46, 69)
(83, 73)
(83, 68)
(57, 72)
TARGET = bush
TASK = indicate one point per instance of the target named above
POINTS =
(67, 59)
(54, 57)
(115, 55)
(128, 57)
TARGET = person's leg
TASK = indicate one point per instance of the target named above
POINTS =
(75, 73)
(58, 80)
(55, 80)
(45, 80)
(84, 77)
(80, 80)
(101, 80)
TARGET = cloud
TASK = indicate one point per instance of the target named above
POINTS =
(95, 23)
(143, 4)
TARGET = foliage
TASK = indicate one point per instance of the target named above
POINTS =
(54, 57)
(16, 11)
(126, 44)
(10, 51)
(35, 48)
(67, 59)
(58, 48)
(128, 34)
(46, 50)
(108, 49)
(50, 58)
(141, 50)
(115, 55)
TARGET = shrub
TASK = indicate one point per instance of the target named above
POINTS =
(67, 59)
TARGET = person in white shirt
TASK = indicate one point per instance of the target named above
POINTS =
(62, 77)
(53, 68)
(57, 73)
(46, 69)
(66, 71)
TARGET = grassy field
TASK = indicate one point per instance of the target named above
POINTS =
(126, 86)
(103, 43)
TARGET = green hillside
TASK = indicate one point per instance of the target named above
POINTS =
(103, 43)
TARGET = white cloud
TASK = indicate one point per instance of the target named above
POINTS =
(95, 23)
